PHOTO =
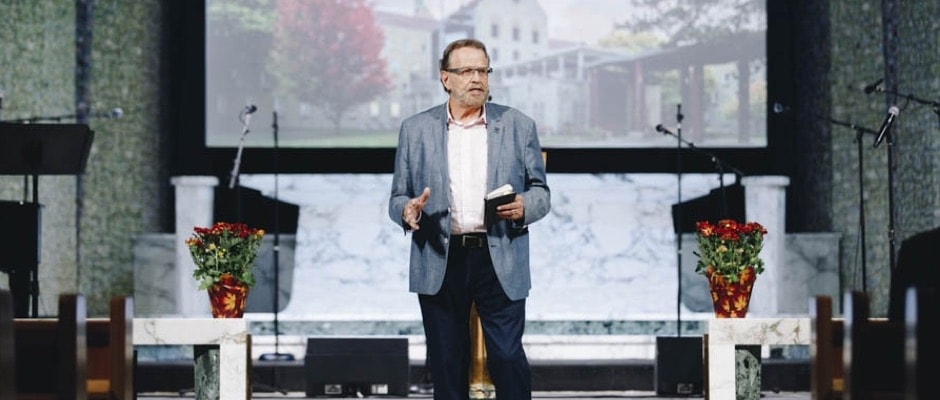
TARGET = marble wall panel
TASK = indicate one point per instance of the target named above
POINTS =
(606, 252)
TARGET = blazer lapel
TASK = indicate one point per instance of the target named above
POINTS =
(494, 148)
(437, 143)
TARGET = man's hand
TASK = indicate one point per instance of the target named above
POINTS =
(513, 211)
(413, 207)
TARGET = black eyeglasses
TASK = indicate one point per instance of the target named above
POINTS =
(467, 72)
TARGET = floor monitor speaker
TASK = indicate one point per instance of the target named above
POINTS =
(356, 366)
(679, 365)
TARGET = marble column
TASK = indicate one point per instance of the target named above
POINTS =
(194, 198)
(765, 202)
(206, 372)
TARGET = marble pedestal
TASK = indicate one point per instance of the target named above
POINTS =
(724, 334)
(228, 379)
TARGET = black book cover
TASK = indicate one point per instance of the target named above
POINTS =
(495, 199)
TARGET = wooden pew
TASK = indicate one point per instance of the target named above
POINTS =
(111, 352)
(92, 358)
(50, 353)
(921, 332)
(873, 353)
(7, 348)
(826, 375)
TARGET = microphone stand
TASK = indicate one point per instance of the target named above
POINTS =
(679, 118)
(891, 226)
(276, 356)
(890, 138)
(859, 132)
(720, 167)
(276, 250)
(891, 230)
(934, 105)
(245, 117)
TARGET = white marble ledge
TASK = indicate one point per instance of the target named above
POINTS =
(537, 347)
(774, 331)
(208, 331)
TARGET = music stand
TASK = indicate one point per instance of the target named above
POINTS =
(33, 150)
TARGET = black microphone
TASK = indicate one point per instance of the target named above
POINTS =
(889, 119)
(250, 109)
(874, 86)
(662, 129)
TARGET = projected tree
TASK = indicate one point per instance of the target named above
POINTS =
(690, 22)
(236, 76)
(712, 61)
(327, 53)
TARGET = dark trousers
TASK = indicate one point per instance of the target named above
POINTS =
(470, 278)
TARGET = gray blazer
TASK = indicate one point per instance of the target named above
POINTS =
(514, 157)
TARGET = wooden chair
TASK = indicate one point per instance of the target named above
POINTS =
(826, 378)
(51, 353)
(921, 330)
(873, 353)
(7, 348)
(111, 352)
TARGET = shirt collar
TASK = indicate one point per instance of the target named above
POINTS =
(481, 120)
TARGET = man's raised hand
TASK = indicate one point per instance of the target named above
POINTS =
(412, 212)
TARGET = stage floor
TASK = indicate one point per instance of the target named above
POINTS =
(560, 395)
(598, 379)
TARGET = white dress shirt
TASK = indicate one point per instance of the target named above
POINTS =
(466, 163)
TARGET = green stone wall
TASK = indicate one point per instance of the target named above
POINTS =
(857, 59)
(87, 227)
(37, 77)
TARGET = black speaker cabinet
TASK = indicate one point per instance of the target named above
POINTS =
(19, 235)
(359, 366)
(679, 365)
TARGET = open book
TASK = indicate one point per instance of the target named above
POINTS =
(499, 196)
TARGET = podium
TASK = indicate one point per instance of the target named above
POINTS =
(31, 150)
(719, 203)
